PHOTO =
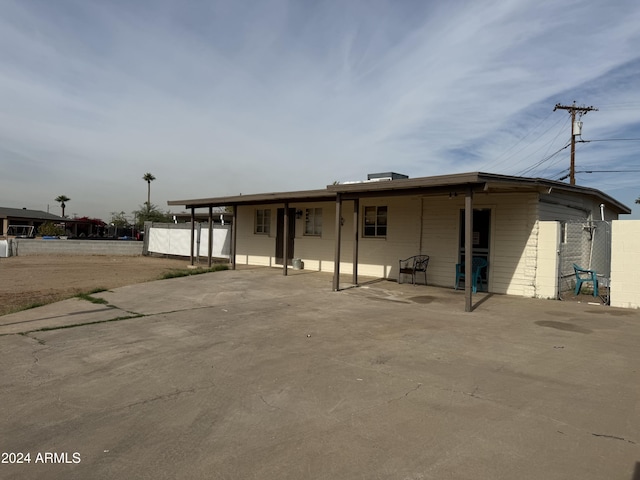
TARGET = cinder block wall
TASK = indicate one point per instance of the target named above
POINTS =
(546, 283)
(625, 263)
(24, 247)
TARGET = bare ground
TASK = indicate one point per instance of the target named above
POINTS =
(34, 280)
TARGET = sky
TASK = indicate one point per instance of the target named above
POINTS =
(224, 97)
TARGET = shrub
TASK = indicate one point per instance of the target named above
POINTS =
(49, 229)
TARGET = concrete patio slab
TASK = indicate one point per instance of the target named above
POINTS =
(250, 374)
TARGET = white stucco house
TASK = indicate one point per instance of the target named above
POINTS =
(364, 228)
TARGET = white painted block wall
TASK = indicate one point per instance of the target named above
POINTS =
(546, 278)
(625, 263)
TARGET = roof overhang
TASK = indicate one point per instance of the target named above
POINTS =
(258, 198)
(476, 181)
(421, 186)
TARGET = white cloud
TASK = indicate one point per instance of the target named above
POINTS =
(223, 97)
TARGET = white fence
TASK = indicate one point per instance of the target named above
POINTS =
(175, 239)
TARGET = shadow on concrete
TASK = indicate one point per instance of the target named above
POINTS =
(481, 301)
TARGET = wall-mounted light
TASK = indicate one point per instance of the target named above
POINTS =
(298, 214)
(453, 194)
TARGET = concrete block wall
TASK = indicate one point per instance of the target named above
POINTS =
(625, 263)
(27, 246)
(546, 278)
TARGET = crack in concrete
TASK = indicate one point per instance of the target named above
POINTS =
(613, 437)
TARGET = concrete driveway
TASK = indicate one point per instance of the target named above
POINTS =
(251, 375)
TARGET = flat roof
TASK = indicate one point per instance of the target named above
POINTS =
(478, 181)
(275, 197)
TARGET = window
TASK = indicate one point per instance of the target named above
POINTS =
(375, 222)
(263, 221)
(313, 221)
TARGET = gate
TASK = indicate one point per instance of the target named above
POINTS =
(586, 243)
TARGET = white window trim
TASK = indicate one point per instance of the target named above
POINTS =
(266, 223)
(313, 213)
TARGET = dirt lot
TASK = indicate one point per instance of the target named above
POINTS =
(32, 280)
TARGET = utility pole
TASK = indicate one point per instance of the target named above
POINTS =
(576, 129)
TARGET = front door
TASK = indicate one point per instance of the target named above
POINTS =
(481, 230)
(280, 236)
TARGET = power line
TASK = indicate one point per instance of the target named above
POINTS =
(495, 160)
(532, 167)
(601, 171)
(612, 140)
(510, 157)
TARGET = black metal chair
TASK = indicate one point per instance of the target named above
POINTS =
(412, 266)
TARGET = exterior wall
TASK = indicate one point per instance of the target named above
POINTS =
(625, 264)
(513, 240)
(252, 248)
(513, 250)
(317, 251)
(441, 237)
(566, 207)
(377, 256)
(523, 251)
(515, 245)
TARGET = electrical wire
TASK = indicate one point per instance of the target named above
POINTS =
(495, 162)
(534, 166)
(548, 145)
(612, 140)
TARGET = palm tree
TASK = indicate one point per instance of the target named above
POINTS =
(148, 177)
(61, 199)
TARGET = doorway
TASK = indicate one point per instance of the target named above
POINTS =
(280, 236)
(480, 238)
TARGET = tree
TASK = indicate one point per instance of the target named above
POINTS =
(638, 200)
(119, 219)
(61, 199)
(151, 213)
(148, 177)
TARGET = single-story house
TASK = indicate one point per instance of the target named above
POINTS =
(364, 228)
(20, 219)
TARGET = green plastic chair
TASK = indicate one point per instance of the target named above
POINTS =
(477, 264)
(583, 275)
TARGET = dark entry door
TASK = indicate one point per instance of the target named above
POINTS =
(480, 238)
(280, 236)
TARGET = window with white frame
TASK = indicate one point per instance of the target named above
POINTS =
(313, 221)
(263, 221)
(375, 222)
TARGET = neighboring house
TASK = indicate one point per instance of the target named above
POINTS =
(364, 228)
(18, 218)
